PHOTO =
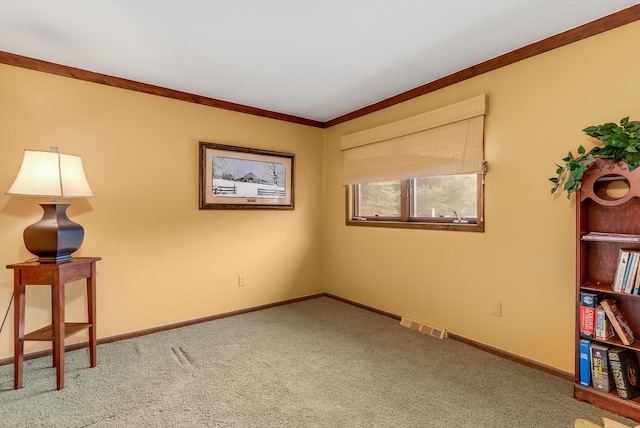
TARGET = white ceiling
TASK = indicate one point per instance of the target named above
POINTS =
(315, 59)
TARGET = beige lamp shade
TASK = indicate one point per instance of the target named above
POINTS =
(49, 173)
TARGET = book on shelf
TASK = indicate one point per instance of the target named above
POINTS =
(585, 362)
(599, 236)
(627, 274)
(600, 377)
(588, 303)
(620, 325)
(623, 364)
(634, 280)
(621, 269)
(604, 329)
(631, 273)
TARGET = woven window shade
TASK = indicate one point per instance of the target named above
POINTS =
(445, 141)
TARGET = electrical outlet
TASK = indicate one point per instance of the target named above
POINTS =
(496, 308)
(242, 280)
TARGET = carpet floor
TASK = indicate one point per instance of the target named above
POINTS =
(315, 363)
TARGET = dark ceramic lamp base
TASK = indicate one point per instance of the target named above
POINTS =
(54, 237)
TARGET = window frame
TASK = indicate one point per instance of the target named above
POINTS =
(407, 222)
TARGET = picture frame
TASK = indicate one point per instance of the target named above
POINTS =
(235, 178)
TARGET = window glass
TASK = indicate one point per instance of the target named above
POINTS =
(443, 196)
(381, 199)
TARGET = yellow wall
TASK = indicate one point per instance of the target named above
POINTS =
(526, 257)
(164, 261)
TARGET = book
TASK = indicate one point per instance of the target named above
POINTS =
(635, 278)
(588, 303)
(630, 275)
(600, 368)
(621, 269)
(624, 370)
(604, 329)
(585, 362)
(620, 325)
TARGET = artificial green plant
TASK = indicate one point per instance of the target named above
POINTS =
(620, 143)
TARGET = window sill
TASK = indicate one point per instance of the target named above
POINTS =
(461, 227)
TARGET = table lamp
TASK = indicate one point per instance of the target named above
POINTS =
(49, 173)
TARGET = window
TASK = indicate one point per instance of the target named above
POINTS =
(426, 171)
(451, 202)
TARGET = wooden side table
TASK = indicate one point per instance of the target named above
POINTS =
(55, 275)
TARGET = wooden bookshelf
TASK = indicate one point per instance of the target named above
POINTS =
(608, 220)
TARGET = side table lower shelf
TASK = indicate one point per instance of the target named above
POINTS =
(46, 334)
(609, 401)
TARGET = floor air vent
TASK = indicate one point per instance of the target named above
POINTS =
(440, 333)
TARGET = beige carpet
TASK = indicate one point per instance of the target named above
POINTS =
(316, 363)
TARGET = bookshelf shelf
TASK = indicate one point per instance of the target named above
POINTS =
(608, 400)
(608, 221)
(611, 237)
(614, 341)
(606, 288)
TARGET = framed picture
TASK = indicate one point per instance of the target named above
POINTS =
(242, 178)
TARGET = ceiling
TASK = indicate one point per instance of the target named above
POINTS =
(313, 59)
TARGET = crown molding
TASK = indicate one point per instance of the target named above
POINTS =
(118, 82)
(618, 19)
(589, 29)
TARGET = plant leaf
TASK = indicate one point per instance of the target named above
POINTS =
(619, 143)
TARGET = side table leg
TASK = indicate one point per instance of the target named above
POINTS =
(91, 315)
(18, 311)
(54, 356)
(57, 291)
